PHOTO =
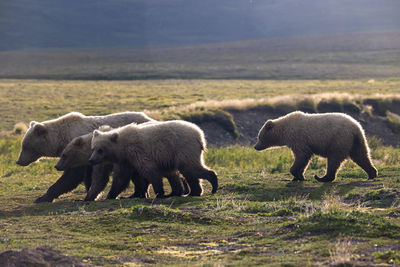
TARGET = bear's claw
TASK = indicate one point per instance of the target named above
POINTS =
(298, 179)
(44, 198)
(324, 179)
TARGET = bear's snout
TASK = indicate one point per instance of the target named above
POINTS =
(59, 167)
(94, 159)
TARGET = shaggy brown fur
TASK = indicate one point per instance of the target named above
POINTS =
(49, 138)
(335, 136)
(156, 149)
(77, 154)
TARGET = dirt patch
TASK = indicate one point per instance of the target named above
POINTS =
(39, 257)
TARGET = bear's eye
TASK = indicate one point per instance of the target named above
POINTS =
(100, 151)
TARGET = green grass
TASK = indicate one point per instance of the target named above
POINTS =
(393, 122)
(257, 217)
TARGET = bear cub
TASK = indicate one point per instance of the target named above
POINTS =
(78, 152)
(335, 136)
(155, 150)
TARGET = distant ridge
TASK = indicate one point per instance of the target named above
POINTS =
(334, 56)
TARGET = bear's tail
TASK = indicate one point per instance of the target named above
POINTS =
(324, 179)
(202, 142)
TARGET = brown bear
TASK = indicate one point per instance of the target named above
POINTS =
(156, 149)
(335, 136)
(77, 154)
(49, 138)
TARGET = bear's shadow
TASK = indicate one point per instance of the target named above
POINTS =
(72, 207)
(264, 192)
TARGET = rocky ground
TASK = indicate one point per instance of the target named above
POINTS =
(39, 257)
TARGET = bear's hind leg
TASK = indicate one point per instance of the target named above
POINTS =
(141, 187)
(211, 176)
(300, 164)
(333, 166)
(360, 157)
(193, 181)
(197, 172)
(177, 183)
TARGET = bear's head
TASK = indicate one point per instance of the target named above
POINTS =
(267, 136)
(35, 144)
(76, 153)
(104, 147)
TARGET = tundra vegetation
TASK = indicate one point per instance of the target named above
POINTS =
(258, 216)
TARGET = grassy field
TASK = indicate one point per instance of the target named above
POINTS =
(257, 217)
(26, 100)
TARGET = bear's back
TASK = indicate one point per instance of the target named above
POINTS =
(119, 119)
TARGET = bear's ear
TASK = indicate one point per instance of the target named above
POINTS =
(32, 124)
(269, 125)
(105, 128)
(39, 129)
(78, 141)
(96, 133)
(114, 137)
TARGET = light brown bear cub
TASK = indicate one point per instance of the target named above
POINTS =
(77, 154)
(335, 136)
(156, 149)
(49, 138)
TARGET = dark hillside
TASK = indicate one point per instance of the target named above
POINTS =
(90, 23)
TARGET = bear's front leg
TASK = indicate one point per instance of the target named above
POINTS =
(87, 179)
(300, 163)
(70, 179)
(156, 182)
(44, 198)
(122, 175)
(100, 176)
(141, 186)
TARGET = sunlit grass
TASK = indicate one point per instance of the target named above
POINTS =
(26, 100)
(258, 216)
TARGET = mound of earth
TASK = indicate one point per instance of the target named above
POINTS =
(249, 122)
(39, 257)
